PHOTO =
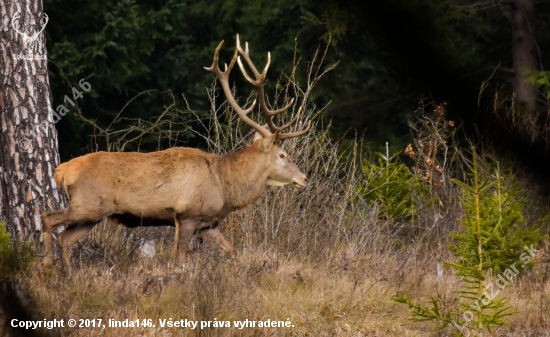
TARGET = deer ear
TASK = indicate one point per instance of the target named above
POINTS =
(257, 136)
(267, 143)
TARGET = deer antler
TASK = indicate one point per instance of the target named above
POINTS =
(258, 82)
(223, 76)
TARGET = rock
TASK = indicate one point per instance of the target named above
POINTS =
(148, 248)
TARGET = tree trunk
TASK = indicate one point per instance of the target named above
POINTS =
(28, 139)
(524, 49)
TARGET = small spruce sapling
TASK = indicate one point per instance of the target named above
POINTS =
(491, 240)
(391, 185)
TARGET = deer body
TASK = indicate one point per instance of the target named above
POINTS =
(182, 187)
(161, 184)
(176, 186)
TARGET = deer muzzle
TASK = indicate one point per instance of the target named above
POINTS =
(299, 182)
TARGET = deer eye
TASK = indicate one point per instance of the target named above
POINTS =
(282, 155)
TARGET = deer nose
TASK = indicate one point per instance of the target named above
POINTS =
(299, 182)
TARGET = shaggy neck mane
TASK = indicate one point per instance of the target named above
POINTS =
(243, 175)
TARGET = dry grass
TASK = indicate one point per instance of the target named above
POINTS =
(313, 256)
(329, 265)
(342, 296)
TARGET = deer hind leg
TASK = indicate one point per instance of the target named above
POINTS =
(70, 236)
(213, 234)
(65, 217)
(50, 221)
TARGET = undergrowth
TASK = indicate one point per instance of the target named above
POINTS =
(492, 247)
(329, 257)
(15, 255)
(323, 257)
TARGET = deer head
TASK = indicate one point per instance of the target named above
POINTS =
(282, 170)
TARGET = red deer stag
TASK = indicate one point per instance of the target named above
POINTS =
(182, 187)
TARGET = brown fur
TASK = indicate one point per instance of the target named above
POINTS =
(187, 187)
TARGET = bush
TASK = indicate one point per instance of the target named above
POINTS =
(391, 185)
(501, 220)
(492, 240)
(15, 255)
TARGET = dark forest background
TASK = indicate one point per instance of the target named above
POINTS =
(393, 55)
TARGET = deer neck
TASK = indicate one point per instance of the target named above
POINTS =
(243, 176)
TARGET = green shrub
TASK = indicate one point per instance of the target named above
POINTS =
(539, 78)
(494, 239)
(504, 230)
(391, 185)
(15, 255)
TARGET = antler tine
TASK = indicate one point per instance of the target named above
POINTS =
(292, 121)
(267, 64)
(259, 84)
(248, 78)
(246, 57)
(223, 77)
(282, 136)
(215, 63)
(272, 113)
(269, 119)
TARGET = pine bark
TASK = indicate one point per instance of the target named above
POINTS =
(524, 49)
(28, 139)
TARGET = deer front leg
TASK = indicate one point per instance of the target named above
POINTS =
(185, 233)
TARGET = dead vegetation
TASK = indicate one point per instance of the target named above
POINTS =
(329, 265)
(319, 257)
